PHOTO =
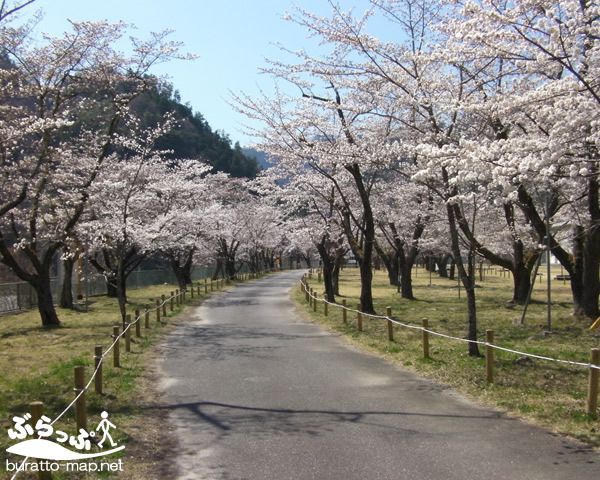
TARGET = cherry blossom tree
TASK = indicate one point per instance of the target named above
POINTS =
(313, 219)
(180, 222)
(124, 200)
(403, 211)
(336, 139)
(52, 148)
(549, 141)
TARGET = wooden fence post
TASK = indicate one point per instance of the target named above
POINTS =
(489, 356)
(315, 302)
(138, 324)
(592, 402)
(164, 305)
(390, 324)
(80, 406)
(116, 350)
(425, 338)
(147, 316)
(128, 334)
(172, 302)
(98, 368)
(344, 311)
(36, 410)
(359, 317)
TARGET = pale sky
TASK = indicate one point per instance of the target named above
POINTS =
(232, 38)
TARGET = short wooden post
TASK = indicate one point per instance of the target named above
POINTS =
(319, 277)
(425, 338)
(325, 308)
(390, 324)
(172, 302)
(128, 334)
(315, 302)
(138, 324)
(489, 356)
(344, 311)
(359, 317)
(116, 350)
(198, 288)
(164, 305)
(147, 316)
(307, 294)
(157, 310)
(311, 297)
(98, 369)
(36, 410)
(80, 404)
(592, 402)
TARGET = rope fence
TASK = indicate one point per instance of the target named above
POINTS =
(593, 365)
(175, 299)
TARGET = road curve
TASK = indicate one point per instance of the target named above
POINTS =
(256, 392)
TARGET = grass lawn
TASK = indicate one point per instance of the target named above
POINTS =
(550, 394)
(37, 364)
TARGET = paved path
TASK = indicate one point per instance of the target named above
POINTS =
(255, 392)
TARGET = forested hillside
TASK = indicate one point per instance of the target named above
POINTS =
(192, 137)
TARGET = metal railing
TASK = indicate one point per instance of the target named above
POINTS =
(19, 296)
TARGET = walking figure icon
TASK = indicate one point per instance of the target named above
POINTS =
(105, 425)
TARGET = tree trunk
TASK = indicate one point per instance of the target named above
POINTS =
(366, 291)
(45, 303)
(443, 265)
(111, 287)
(66, 292)
(466, 281)
(39, 281)
(406, 289)
(339, 261)
(390, 260)
(122, 293)
(364, 256)
(582, 266)
(218, 268)
(588, 289)
(183, 272)
(328, 265)
(521, 283)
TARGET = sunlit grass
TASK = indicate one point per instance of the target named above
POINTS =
(548, 393)
(37, 364)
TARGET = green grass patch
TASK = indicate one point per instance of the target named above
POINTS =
(550, 394)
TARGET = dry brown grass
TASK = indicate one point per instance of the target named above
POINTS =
(37, 363)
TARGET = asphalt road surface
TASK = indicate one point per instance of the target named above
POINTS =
(256, 392)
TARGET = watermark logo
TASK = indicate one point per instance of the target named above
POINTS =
(49, 444)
